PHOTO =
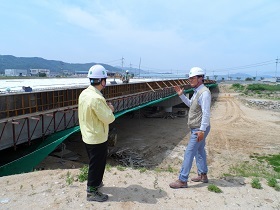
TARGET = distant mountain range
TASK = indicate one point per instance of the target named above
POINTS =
(12, 62)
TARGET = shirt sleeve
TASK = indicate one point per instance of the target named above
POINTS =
(103, 111)
(185, 99)
(205, 103)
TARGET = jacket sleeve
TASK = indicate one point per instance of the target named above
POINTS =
(103, 111)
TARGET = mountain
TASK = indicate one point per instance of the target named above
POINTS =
(12, 62)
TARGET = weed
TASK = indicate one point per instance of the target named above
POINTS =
(237, 87)
(277, 187)
(120, 168)
(259, 169)
(69, 178)
(214, 188)
(142, 170)
(170, 169)
(108, 167)
(271, 182)
(256, 183)
(83, 175)
(158, 170)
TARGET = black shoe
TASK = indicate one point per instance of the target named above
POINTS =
(97, 196)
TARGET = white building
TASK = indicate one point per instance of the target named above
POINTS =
(15, 72)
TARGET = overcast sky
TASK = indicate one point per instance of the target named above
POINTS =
(221, 36)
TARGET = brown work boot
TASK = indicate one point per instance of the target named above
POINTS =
(178, 184)
(200, 178)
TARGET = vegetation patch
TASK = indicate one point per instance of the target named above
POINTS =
(272, 160)
(238, 87)
(262, 87)
(258, 90)
(256, 183)
(214, 188)
(272, 182)
(83, 175)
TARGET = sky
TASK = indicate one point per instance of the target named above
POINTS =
(220, 36)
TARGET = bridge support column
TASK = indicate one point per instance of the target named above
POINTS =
(168, 109)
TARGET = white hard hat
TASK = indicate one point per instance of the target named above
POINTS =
(126, 71)
(97, 72)
(196, 71)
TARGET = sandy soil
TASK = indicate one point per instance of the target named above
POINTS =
(237, 132)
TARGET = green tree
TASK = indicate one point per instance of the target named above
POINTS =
(42, 74)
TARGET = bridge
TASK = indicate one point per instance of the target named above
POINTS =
(51, 115)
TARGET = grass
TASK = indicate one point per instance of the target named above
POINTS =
(277, 187)
(256, 183)
(258, 90)
(272, 182)
(108, 167)
(69, 178)
(246, 169)
(273, 160)
(83, 175)
(237, 87)
(267, 167)
(214, 188)
(142, 170)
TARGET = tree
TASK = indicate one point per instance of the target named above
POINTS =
(248, 79)
(42, 74)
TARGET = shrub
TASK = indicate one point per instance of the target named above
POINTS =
(214, 188)
(256, 183)
(83, 175)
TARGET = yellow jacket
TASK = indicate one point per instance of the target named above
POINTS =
(94, 116)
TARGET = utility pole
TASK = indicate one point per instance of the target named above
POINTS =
(139, 66)
(122, 63)
(276, 67)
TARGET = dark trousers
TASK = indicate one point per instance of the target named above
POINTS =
(97, 154)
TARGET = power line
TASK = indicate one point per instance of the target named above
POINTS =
(264, 63)
(118, 60)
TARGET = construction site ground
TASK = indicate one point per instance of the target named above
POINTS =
(237, 132)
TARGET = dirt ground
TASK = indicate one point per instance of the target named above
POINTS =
(237, 131)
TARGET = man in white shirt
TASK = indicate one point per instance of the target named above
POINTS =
(199, 123)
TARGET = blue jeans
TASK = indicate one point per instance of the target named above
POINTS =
(197, 150)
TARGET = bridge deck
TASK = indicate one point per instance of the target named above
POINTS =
(26, 116)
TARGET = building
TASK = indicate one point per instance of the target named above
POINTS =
(35, 72)
(16, 72)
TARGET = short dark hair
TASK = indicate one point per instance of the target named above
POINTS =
(94, 82)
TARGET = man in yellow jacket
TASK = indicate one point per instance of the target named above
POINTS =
(95, 115)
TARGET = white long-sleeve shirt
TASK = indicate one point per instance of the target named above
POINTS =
(205, 102)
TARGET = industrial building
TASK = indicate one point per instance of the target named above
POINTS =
(16, 72)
